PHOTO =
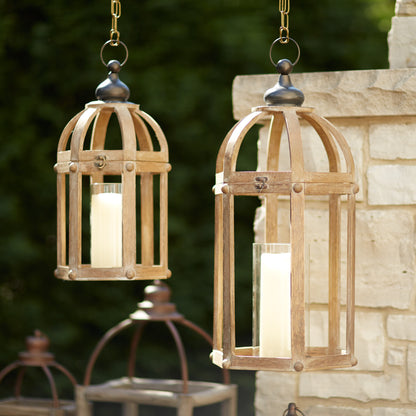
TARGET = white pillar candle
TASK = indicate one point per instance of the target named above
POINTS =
(106, 229)
(274, 316)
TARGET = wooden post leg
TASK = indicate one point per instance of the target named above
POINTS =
(83, 407)
(130, 409)
(185, 407)
(229, 406)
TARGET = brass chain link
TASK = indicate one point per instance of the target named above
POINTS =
(284, 9)
(115, 14)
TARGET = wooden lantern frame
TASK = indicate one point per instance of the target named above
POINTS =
(294, 184)
(128, 163)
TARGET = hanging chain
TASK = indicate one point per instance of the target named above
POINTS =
(115, 14)
(284, 9)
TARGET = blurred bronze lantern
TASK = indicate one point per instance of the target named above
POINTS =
(36, 356)
(182, 394)
(100, 188)
(285, 279)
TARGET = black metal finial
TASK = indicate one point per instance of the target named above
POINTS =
(112, 89)
(284, 93)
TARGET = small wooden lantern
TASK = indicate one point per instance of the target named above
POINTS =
(139, 168)
(283, 313)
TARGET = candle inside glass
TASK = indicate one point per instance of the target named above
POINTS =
(106, 221)
(274, 319)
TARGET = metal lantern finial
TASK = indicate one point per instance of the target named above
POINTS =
(123, 180)
(283, 277)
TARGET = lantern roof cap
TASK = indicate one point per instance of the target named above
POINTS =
(113, 89)
(284, 93)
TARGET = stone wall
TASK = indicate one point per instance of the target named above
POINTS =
(376, 111)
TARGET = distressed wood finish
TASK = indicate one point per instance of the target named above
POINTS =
(136, 164)
(296, 186)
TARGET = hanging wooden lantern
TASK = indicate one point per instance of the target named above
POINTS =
(99, 236)
(283, 271)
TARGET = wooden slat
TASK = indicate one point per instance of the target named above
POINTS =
(147, 220)
(61, 219)
(163, 224)
(295, 145)
(334, 271)
(75, 220)
(228, 277)
(351, 274)
(97, 142)
(128, 136)
(297, 242)
(218, 275)
(271, 201)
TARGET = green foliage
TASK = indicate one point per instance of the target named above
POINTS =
(183, 58)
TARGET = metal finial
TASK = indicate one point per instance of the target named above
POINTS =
(284, 93)
(112, 89)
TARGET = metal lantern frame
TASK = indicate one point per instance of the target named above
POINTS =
(295, 184)
(36, 356)
(137, 157)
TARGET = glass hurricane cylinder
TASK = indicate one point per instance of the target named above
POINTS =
(271, 292)
(106, 225)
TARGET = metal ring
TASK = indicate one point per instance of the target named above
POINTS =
(277, 40)
(109, 42)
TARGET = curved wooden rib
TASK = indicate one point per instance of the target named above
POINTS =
(160, 136)
(66, 133)
(80, 131)
(340, 139)
(327, 140)
(220, 157)
(236, 138)
(295, 145)
(142, 133)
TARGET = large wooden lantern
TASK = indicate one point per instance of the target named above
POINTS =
(303, 311)
(100, 188)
